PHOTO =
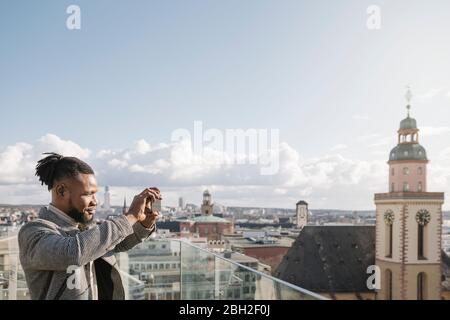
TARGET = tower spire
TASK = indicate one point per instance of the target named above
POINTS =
(124, 209)
(408, 97)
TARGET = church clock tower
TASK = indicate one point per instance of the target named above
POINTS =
(408, 223)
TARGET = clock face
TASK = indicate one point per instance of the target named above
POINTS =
(389, 217)
(423, 217)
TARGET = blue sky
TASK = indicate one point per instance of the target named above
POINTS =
(312, 69)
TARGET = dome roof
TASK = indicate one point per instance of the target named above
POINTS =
(408, 152)
(408, 123)
(206, 192)
(210, 219)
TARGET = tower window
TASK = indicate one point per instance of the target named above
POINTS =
(419, 187)
(421, 286)
(423, 217)
(405, 186)
(420, 242)
(389, 231)
(389, 218)
(388, 284)
(419, 171)
(406, 171)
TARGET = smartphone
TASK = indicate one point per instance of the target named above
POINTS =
(156, 205)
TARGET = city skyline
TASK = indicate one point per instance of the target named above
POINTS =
(114, 91)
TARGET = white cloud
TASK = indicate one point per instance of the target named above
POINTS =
(331, 181)
(116, 163)
(338, 147)
(141, 146)
(52, 143)
(16, 164)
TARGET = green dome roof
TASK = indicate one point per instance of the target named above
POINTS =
(212, 219)
(408, 151)
(408, 123)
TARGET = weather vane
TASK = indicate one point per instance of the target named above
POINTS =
(408, 97)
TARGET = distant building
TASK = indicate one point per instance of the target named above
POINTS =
(267, 250)
(207, 205)
(107, 201)
(302, 214)
(206, 224)
(181, 203)
(124, 209)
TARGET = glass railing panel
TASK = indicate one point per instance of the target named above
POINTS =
(206, 275)
(240, 282)
(151, 270)
(198, 274)
(12, 278)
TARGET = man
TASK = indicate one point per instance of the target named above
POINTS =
(63, 253)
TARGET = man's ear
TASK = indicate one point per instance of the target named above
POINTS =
(61, 190)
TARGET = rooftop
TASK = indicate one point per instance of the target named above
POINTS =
(330, 259)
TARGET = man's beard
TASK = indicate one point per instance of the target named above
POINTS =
(80, 217)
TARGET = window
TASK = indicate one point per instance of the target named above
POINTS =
(388, 284)
(389, 236)
(406, 171)
(421, 286)
(419, 171)
(419, 187)
(420, 243)
(405, 186)
(392, 171)
(392, 187)
(423, 217)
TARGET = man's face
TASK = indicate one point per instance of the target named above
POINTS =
(82, 201)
